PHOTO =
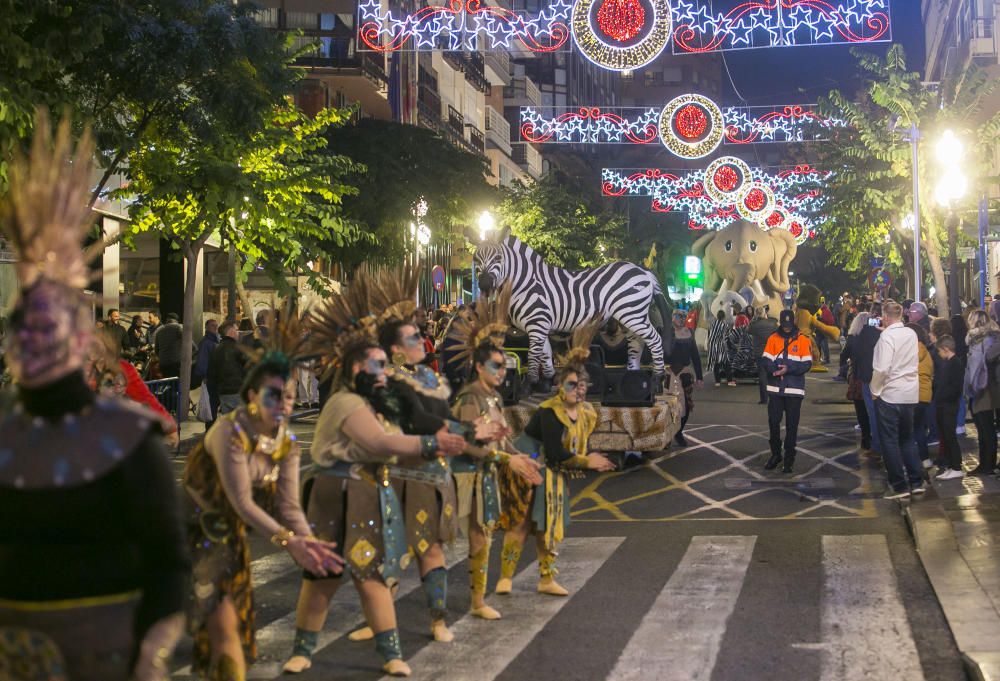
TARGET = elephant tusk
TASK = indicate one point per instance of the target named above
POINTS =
(758, 291)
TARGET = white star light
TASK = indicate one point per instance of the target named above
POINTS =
(741, 32)
(371, 9)
(683, 12)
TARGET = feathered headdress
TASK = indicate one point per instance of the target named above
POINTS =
(342, 321)
(394, 293)
(489, 321)
(46, 214)
(579, 345)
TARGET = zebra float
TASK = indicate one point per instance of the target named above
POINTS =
(546, 299)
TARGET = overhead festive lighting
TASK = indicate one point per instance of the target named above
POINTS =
(725, 178)
(463, 25)
(756, 201)
(591, 125)
(620, 35)
(691, 126)
(791, 123)
(701, 26)
(641, 125)
(785, 193)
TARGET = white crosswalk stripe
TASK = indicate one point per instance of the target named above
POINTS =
(482, 650)
(683, 630)
(863, 627)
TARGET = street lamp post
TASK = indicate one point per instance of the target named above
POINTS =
(914, 139)
(486, 225)
(951, 186)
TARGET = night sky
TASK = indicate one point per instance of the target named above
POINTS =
(793, 75)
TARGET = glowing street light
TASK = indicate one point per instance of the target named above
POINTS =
(949, 148)
(486, 224)
(952, 185)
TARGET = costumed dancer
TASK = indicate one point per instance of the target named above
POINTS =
(94, 565)
(245, 475)
(684, 357)
(559, 430)
(481, 334)
(351, 499)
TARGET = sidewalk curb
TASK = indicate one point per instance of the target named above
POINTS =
(968, 608)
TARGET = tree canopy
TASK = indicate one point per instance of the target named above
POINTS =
(552, 217)
(405, 163)
(871, 190)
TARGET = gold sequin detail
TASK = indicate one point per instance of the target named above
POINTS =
(423, 546)
(362, 553)
(421, 516)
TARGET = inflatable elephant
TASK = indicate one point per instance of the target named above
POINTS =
(744, 258)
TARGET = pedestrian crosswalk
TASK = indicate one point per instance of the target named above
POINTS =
(861, 621)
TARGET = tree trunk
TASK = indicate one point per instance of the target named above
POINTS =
(940, 283)
(245, 299)
(191, 252)
(231, 283)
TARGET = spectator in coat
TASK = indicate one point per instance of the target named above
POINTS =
(949, 376)
(981, 386)
(761, 329)
(115, 329)
(206, 346)
(168, 343)
(863, 356)
(154, 326)
(226, 370)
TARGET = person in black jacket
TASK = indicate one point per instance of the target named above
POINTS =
(854, 389)
(761, 329)
(949, 375)
(684, 357)
(864, 356)
(226, 370)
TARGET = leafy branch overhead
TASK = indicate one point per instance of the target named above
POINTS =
(563, 228)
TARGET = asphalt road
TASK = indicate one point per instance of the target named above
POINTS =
(700, 565)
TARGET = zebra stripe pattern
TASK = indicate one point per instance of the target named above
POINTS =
(546, 299)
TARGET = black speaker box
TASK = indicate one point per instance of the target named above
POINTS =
(510, 389)
(628, 388)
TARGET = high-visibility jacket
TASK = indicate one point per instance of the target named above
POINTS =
(791, 351)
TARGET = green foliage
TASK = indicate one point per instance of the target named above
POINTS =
(276, 194)
(38, 39)
(405, 163)
(552, 218)
(872, 188)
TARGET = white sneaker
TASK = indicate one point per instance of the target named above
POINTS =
(928, 464)
(857, 427)
(960, 430)
(933, 443)
(951, 474)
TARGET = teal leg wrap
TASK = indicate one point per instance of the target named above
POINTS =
(388, 646)
(305, 642)
(436, 590)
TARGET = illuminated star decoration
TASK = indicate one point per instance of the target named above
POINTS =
(777, 23)
(639, 125)
(463, 25)
(797, 191)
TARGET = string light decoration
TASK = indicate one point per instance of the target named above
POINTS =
(691, 126)
(641, 125)
(787, 192)
(620, 35)
(725, 178)
(777, 23)
(756, 201)
(790, 123)
(464, 25)
(591, 125)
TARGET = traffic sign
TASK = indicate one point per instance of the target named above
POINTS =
(879, 278)
(437, 278)
(966, 252)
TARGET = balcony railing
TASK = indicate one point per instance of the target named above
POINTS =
(528, 158)
(454, 59)
(428, 107)
(983, 40)
(337, 52)
(497, 130)
(456, 120)
(524, 89)
(476, 139)
(499, 64)
(475, 74)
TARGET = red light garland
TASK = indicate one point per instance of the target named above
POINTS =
(726, 178)
(691, 121)
(755, 200)
(621, 20)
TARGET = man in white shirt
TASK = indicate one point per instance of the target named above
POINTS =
(895, 387)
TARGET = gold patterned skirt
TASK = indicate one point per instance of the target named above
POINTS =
(346, 511)
(430, 511)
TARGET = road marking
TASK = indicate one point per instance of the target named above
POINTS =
(271, 567)
(482, 650)
(683, 630)
(865, 630)
(274, 641)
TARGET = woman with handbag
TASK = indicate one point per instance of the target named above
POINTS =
(855, 391)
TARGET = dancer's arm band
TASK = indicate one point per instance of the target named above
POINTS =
(428, 446)
(282, 537)
(496, 456)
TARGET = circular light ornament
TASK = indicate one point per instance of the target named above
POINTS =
(691, 126)
(725, 179)
(798, 230)
(756, 201)
(778, 219)
(621, 35)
